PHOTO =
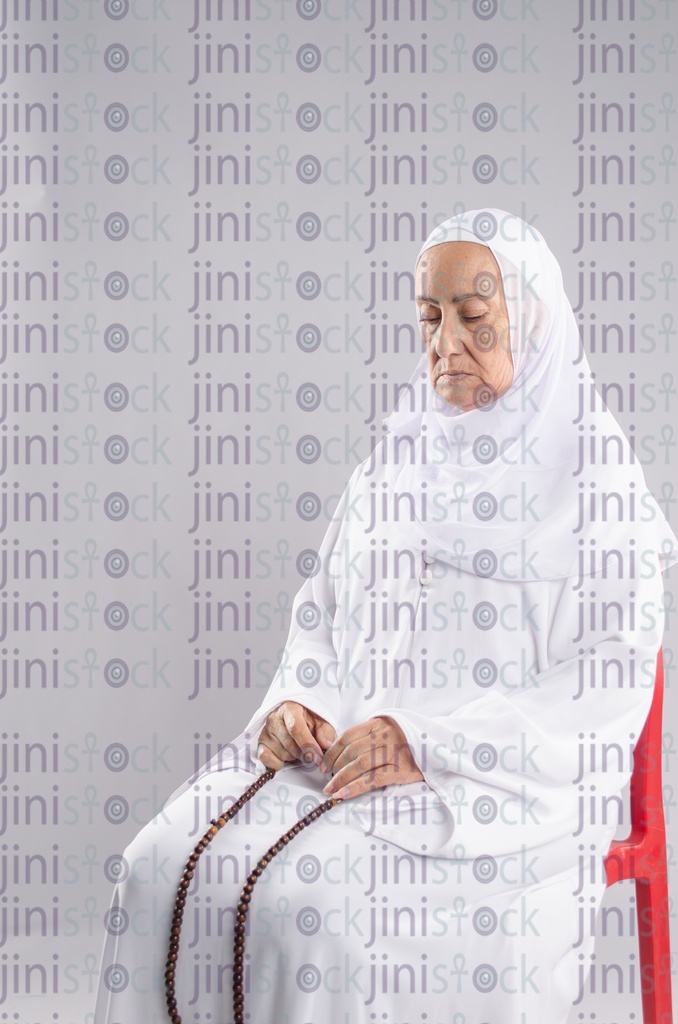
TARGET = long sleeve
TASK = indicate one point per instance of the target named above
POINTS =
(535, 764)
(308, 669)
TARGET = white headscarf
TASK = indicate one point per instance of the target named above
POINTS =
(507, 482)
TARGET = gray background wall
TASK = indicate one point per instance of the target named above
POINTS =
(111, 152)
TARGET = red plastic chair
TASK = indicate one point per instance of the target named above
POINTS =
(642, 856)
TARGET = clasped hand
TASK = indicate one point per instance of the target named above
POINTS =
(364, 757)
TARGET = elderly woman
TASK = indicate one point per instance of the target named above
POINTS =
(470, 661)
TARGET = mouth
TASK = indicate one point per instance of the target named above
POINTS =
(452, 375)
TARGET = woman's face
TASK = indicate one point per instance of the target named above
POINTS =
(464, 323)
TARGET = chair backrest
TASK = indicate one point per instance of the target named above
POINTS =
(647, 811)
(641, 855)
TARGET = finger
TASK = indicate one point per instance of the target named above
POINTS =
(373, 735)
(364, 783)
(400, 755)
(268, 758)
(356, 759)
(325, 734)
(342, 741)
(300, 735)
(380, 749)
(365, 753)
(271, 739)
(278, 726)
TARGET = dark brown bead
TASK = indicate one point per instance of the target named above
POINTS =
(245, 896)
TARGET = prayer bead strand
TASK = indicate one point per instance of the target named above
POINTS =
(245, 897)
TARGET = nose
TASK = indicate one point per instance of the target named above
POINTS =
(448, 340)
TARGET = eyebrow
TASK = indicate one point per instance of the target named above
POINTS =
(456, 298)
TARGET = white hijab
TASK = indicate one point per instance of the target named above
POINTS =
(513, 477)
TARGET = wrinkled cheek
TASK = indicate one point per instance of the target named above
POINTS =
(506, 380)
(505, 343)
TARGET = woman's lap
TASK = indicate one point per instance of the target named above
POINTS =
(342, 925)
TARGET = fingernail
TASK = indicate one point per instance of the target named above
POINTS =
(324, 768)
(329, 787)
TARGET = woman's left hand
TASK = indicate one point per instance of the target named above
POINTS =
(369, 756)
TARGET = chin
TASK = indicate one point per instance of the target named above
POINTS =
(454, 396)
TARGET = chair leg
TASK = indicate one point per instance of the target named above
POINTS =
(655, 952)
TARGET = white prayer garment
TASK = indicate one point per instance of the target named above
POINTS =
(477, 589)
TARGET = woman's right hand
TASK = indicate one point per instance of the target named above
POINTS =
(293, 733)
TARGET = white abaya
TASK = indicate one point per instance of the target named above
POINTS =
(445, 597)
(455, 900)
